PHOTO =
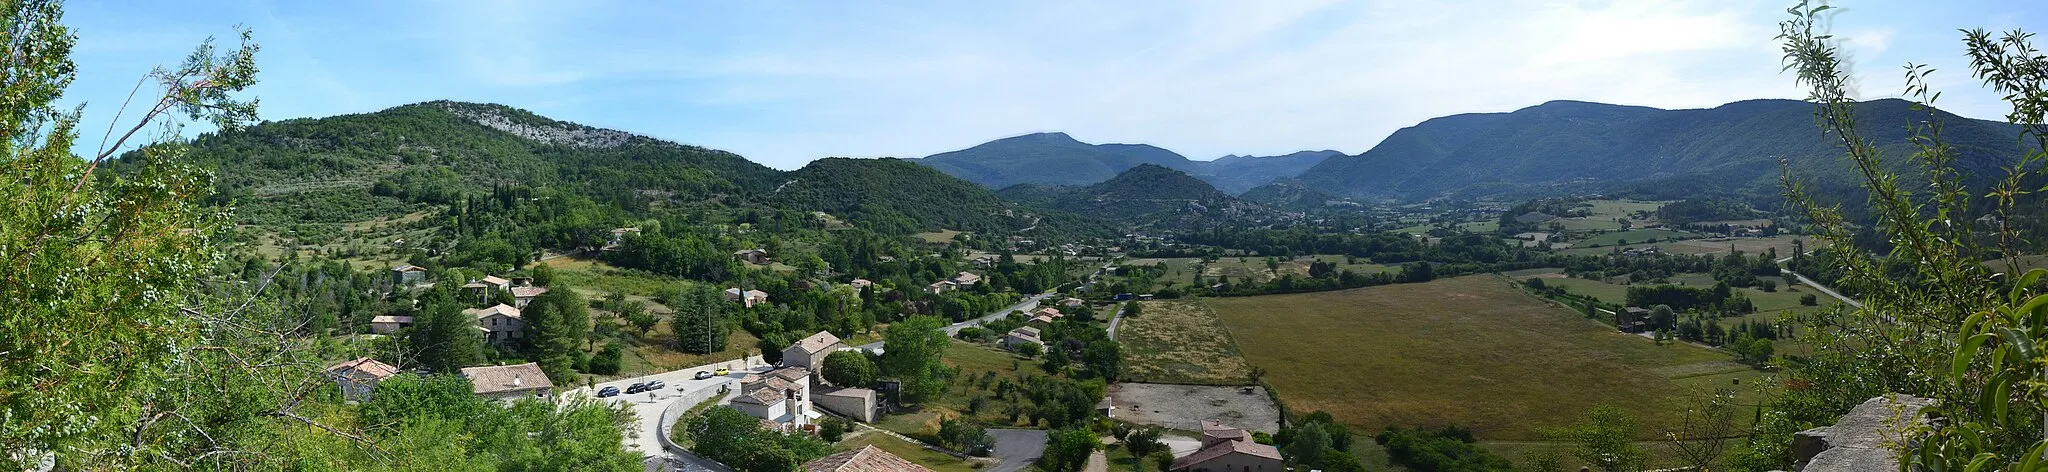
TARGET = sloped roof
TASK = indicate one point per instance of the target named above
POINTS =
(1026, 332)
(816, 342)
(507, 378)
(966, 278)
(390, 319)
(1218, 430)
(409, 268)
(528, 291)
(498, 309)
(365, 365)
(1224, 449)
(791, 373)
(764, 397)
(865, 459)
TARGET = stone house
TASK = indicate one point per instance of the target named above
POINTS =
(499, 323)
(509, 382)
(747, 298)
(1227, 448)
(781, 396)
(407, 275)
(810, 351)
(387, 324)
(359, 378)
(1021, 336)
(753, 256)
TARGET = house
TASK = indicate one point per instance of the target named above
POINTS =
(753, 256)
(1106, 408)
(509, 382)
(1048, 312)
(387, 324)
(1020, 336)
(865, 459)
(499, 323)
(856, 403)
(810, 351)
(747, 298)
(861, 283)
(942, 286)
(619, 237)
(966, 279)
(1071, 302)
(779, 396)
(408, 274)
(482, 289)
(523, 295)
(1633, 319)
(1226, 448)
(358, 378)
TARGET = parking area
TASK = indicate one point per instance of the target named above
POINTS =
(1184, 407)
(647, 406)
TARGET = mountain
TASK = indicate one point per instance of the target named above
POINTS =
(320, 176)
(1291, 196)
(901, 197)
(1060, 160)
(1573, 147)
(1146, 195)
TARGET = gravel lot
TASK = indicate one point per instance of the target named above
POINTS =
(1184, 407)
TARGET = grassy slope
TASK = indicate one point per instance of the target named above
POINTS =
(1180, 342)
(1472, 351)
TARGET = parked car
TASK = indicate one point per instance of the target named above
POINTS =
(636, 388)
(722, 372)
(607, 392)
(703, 374)
(654, 385)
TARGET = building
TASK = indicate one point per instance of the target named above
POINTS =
(866, 459)
(482, 289)
(1633, 319)
(942, 286)
(966, 279)
(358, 378)
(619, 237)
(780, 396)
(753, 256)
(499, 323)
(747, 298)
(1071, 302)
(387, 324)
(856, 403)
(861, 283)
(523, 295)
(1021, 336)
(408, 274)
(810, 351)
(509, 382)
(1226, 448)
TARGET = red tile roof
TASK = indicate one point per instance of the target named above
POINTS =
(865, 459)
(1224, 449)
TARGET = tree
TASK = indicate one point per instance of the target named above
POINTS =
(557, 323)
(543, 275)
(849, 369)
(100, 267)
(911, 350)
(1809, 300)
(1702, 437)
(1306, 444)
(444, 338)
(965, 436)
(1067, 450)
(1143, 442)
(699, 322)
(608, 360)
(1607, 440)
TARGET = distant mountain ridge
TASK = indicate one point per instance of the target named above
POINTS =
(1059, 159)
(1568, 147)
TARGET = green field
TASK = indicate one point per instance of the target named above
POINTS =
(1781, 243)
(1255, 268)
(974, 362)
(1179, 342)
(1473, 351)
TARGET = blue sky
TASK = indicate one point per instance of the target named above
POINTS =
(786, 82)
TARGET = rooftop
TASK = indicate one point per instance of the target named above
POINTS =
(507, 378)
(816, 342)
(499, 309)
(865, 459)
(365, 365)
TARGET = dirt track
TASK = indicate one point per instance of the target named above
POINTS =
(1184, 407)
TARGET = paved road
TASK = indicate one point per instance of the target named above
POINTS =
(1018, 448)
(1115, 319)
(647, 406)
(1825, 289)
(1028, 304)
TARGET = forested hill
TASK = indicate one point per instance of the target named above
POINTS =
(899, 196)
(1146, 195)
(1566, 146)
(1056, 159)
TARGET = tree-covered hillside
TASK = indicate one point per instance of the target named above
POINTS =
(1564, 147)
(1144, 195)
(896, 197)
(1054, 159)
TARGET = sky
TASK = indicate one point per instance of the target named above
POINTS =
(785, 82)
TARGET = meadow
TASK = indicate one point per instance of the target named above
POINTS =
(1473, 351)
(1179, 342)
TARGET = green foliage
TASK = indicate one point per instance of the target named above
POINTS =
(1144, 195)
(443, 337)
(1606, 440)
(894, 196)
(965, 436)
(1445, 450)
(732, 438)
(910, 353)
(608, 360)
(1067, 450)
(557, 325)
(850, 369)
(699, 322)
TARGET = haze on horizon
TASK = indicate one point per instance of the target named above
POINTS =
(784, 84)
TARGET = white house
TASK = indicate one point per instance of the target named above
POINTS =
(524, 295)
(387, 324)
(747, 298)
(1021, 336)
(781, 396)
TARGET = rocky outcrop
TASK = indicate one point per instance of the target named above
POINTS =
(1865, 439)
(561, 134)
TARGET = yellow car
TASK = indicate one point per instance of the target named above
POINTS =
(721, 372)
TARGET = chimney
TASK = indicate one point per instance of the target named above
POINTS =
(515, 380)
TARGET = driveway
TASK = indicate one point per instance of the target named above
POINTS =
(1018, 448)
(647, 406)
(1028, 304)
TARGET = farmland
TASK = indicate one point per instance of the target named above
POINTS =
(1180, 342)
(1472, 351)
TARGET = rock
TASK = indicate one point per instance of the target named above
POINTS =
(1859, 440)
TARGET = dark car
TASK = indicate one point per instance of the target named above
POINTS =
(607, 392)
(637, 388)
(654, 385)
(703, 374)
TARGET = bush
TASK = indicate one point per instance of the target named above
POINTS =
(849, 369)
(1809, 300)
(607, 361)
(974, 333)
(834, 428)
